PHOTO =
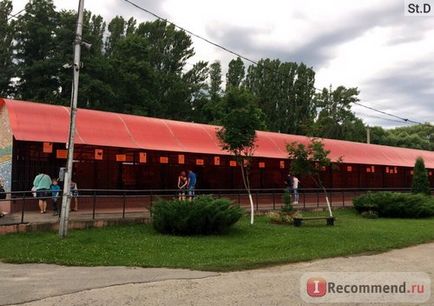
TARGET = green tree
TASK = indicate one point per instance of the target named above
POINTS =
(215, 75)
(336, 120)
(420, 178)
(420, 136)
(285, 94)
(309, 160)
(35, 39)
(6, 48)
(238, 134)
(236, 73)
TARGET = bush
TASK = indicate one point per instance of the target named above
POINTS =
(281, 217)
(369, 214)
(287, 203)
(202, 216)
(420, 178)
(395, 205)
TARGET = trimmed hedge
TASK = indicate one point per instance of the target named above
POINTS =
(203, 216)
(395, 204)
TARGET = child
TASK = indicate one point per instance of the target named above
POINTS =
(55, 191)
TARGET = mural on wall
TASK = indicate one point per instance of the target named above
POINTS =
(5, 149)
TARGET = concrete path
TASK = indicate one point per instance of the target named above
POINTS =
(54, 285)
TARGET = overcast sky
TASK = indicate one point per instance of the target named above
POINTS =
(366, 44)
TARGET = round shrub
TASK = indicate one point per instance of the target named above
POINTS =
(395, 204)
(203, 216)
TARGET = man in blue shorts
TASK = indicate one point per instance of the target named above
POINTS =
(191, 185)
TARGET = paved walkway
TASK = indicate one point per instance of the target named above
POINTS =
(56, 285)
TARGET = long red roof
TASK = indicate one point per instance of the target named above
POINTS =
(49, 123)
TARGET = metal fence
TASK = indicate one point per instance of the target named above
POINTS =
(103, 204)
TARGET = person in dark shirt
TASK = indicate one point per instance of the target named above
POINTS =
(191, 184)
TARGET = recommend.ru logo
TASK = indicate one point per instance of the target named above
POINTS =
(365, 287)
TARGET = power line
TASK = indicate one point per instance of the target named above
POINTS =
(379, 117)
(388, 114)
(16, 14)
(246, 58)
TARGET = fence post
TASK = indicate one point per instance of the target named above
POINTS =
(274, 201)
(124, 204)
(23, 207)
(239, 198)
(94, 205)
(317, 199)
(304, 200)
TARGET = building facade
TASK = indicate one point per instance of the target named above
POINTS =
(117, 151)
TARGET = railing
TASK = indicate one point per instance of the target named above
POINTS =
(109, 203)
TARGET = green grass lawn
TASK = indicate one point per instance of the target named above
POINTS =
(244, 247)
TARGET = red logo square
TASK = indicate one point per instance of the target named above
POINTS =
(316, 287)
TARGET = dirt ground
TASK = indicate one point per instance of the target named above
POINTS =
(280, 285)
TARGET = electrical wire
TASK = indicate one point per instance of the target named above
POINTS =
(379, 117)
(15, 15)
(246, 58)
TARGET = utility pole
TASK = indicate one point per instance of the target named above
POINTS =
(66, 198)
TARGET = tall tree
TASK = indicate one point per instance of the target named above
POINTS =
(6, 48)
(210, 110)
(116, 29)
(335, 119)
(236, 73)
(37, 69)
(285, 92)
(238, 134)
(64, 37)
(215, 76)
(420, 178)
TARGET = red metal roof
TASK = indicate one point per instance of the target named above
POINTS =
(49, 123)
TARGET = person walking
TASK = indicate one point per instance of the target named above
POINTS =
(42, 185)
(191, 184)
(182, 185)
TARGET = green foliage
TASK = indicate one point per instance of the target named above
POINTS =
(7, 31)
(396, 205)
(35, 47)
(335, 119)
(285, 92)
(419, 136)
(280, 218)
(287, 202)
(202, 216)
(236, 74)
(240, 123)
(420, 178)
(243, 247)
(308, 160)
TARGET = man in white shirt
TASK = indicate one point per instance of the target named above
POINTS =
(295, 182)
